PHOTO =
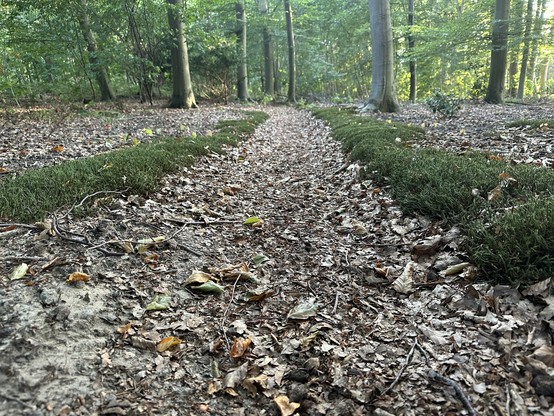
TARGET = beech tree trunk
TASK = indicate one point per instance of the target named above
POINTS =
(268, 84)
(182, 96)
(291, 95)
(411, 50)
(100, 71)
(242, 68)
(499, 52)
(382, 96)
(525, 55)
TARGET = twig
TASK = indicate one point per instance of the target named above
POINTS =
(23, 258)
(83, 241)
(336, 303)
(226, 313)
(433, 375)
(30, 226)
(408, 361)
(15, 399)
(92, 196)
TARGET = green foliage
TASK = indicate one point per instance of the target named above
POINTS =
(445, 104)
(34, 193)
(507, 244)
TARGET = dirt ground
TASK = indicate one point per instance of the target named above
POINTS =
(320, 297)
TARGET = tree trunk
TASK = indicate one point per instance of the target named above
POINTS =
(525, 55)
(537, 29)
(517, 33)
(242, 68)
(382, 96)
(99, 70)
(182, 96)
(269, 86)
(545, 63)
(291, 95)
(411, 51)
(499, 52)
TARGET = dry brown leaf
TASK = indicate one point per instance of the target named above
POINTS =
(285, 406)
(78, 277)
(167, 343)
(405, 282)
(239, 347)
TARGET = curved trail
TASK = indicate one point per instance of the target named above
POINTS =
(327, 236)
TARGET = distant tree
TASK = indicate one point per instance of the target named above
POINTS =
(382, 96)
(242, 67)
(291, 95)
(268, 83)
(499, 52)
(183, 96)
(411, 51)
(98, 68)
(526, 46)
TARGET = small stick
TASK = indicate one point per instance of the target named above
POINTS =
(92, 196)
(226, 313)
(15, 399)
(433, 375)
(336, 303)
(408, 361)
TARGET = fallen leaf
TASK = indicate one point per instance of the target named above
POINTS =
(198, 277)
(19, 272)
(251, 384)
(58, 148)
(404, 283)
(124, 328)
(236, 377)
(258, 297)
(239, 347)
(167, 343)
(303, 310)
(78, 277)
(160, 302)
(251, 220)
(457, 268)
(545, 354)
(209, 287)
(260, 259)
(285, 406)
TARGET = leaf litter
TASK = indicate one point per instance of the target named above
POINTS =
(335, 303)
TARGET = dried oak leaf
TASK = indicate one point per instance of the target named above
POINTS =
(239, 347)
(167, 343)
(286, 407)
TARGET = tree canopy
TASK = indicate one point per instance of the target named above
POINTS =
(44, 50)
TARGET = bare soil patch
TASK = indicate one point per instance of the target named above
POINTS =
(342, 305)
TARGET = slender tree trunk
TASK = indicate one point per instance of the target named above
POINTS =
(291, 95)
(411, 51)
(499, 52)
(242, 68)
(182, 96)
(382, 96)
(525, 55)
(516, 30)
(99, 70)
(537, 29)
(545, 63)
(269, 86)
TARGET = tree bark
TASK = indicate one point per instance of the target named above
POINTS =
(183, 96)
(242, 68)
(291, 95)
(525, 55)
(537, 29)
(382, 96)
(99, 70)
(411, 51)
(499, 52)
(269, 86)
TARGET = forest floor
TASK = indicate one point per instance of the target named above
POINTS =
(334, 302)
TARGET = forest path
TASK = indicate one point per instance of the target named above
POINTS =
(325, 331)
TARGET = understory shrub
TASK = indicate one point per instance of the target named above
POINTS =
(507, 244)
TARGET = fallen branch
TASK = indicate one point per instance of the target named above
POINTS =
(92, 196)
(15, 399)
(408, 361)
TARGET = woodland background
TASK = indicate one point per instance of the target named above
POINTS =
(59, 48)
